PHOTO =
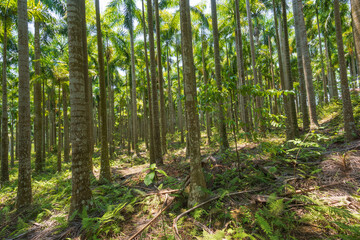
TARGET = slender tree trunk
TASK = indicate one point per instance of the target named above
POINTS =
(322, 59)
(43, 125)
(156, 123)
(349, 122)
(224, 144)
(81, 192)
(292, 131)
(105, 164)
(306, 63)
(37, 102)
(66, 124)
(4, 114)
(253, 64)
(331, 80)
(88, 90)
(160, 78)
(59, 148)
(299, 53)
(151, 123)
(24, 193)
(243, 100)
(280, 59)
(133, 93)
(12, 143)
(180, 114)
(197, 180)
(205, 74)
(170, 104)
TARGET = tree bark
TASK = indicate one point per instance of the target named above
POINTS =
(224, 144)
(180, 114)
(37, 101)
(299, 53)
(133, 92)
(349, 122)
(156, 123)
(24, 193)
(292, 129)
(160, 78)
(105, 164)
(243, 100)
(326, 99)
(197, 180)
(4, 115)
(306, 63)
(152, 155)
(81, 192)
(66, 124)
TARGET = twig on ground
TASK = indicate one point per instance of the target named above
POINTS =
(176, 231)
(152, 220)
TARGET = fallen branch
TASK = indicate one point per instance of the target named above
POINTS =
(177, 236)
(163, 192)
(152, 220)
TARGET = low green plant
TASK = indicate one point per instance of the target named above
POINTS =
(151, 177)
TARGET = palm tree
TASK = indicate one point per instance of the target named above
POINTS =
(105, 164)
(37, 101)
(24, 194)
(303, 95)
(224, 144)
(4, 130)
(321, 57)
(160, 78)
(152, 156)
(349, 122)
(292, 127)
(253, 64)
(306, 61)
(355, 11)
(241, 68)
(156, 126)
(197, 180)
(66, 123)
(81, 192)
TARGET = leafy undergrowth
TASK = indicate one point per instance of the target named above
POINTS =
(287, 206)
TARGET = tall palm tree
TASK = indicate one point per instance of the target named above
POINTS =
(160, 78)
(152, 156)
(4, 129)
(303, 95)
(349, 122)
(197, 180)
(37, 101)
(253, 63)
(130, 6)
(155, 105)
(24, 194)
(306, 61)
(105, 164)
(81, 192)
(355, 11)
(321, 57)
(292, 127)
(241, 68)
(224, 144)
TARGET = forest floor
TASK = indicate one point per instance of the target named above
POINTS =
(266, 189)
